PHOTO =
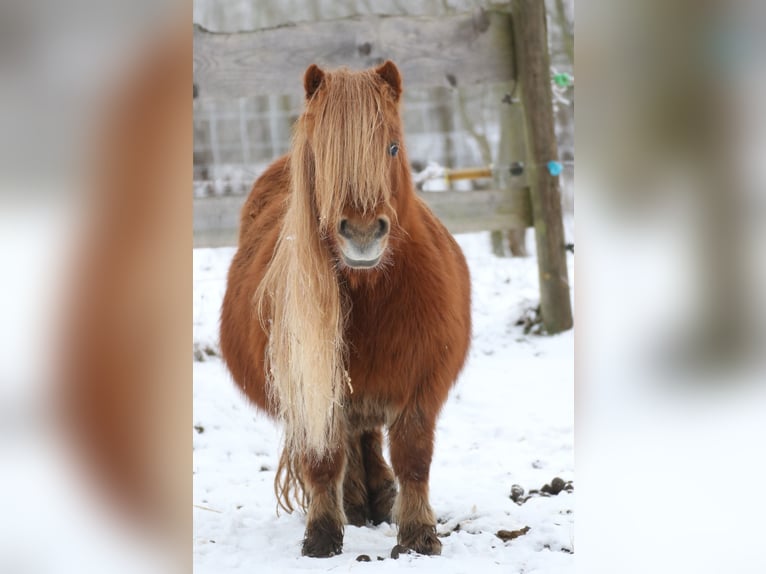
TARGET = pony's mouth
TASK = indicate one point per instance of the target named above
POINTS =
(364, 255)
(361, 263)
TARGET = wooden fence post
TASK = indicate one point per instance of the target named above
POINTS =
(531, 49)
(512, 148)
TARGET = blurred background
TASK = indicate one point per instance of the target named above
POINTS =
(670, 233)
(95, 122)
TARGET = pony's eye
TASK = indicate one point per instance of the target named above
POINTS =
(393, 149)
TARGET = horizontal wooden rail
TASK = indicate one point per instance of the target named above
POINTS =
(430, 51)
(467, 173)
(216, 218)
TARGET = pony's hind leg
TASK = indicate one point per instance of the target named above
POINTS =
(325, 519)
(381, 487)
(354, 482)
(368, 486)
(412, 443)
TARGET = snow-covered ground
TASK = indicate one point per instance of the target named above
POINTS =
(509, 421)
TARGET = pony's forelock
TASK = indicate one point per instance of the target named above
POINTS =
(349, 144)
(338, 159)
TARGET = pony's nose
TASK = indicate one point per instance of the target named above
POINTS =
(362, 242)
(382, 227)
(343, 229)
(364, 232)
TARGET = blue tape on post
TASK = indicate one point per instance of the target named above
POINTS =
(554, 168)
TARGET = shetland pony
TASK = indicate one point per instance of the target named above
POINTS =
(347, 309)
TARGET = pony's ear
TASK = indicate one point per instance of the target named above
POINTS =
(312, 79)
(390, 74)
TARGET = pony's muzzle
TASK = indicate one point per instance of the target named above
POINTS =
(362, 243)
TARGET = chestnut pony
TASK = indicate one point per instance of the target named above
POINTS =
(348, 308)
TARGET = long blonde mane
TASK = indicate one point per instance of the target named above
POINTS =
(337, 160)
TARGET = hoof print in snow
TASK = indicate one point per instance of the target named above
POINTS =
(202, 354)
(563, 549)
(447, 533)
(398, 550)
(506, 535)
(363, 558)
(532, 321)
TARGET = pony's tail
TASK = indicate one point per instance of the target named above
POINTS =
(288, 484)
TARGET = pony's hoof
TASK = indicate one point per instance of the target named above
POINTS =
(398, 550)
(420, 539)
(321, 547)
(381, 503)
(356, 515)
(322, 539)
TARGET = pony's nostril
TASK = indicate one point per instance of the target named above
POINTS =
(343, 229)
(382, 227)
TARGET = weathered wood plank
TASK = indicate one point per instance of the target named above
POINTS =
(216, 218)
(430, 51)
(467, 211)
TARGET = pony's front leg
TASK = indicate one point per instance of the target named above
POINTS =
(411, 439)
(325, 519)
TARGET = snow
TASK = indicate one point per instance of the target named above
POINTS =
(509, 420)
